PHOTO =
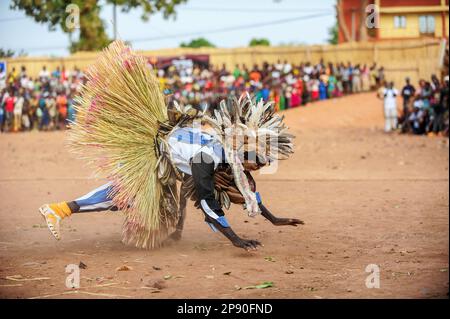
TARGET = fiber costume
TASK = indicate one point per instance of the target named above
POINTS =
(124, 128)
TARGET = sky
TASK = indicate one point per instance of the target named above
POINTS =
(225, 23)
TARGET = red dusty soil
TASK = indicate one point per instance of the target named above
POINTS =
(366, 198)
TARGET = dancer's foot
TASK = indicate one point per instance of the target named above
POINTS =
(176, 235)
(53, 213)
(287, 221)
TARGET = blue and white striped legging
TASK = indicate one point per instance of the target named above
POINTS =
(96, 200)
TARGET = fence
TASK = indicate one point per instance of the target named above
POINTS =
(414, 58)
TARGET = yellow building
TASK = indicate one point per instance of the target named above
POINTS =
(409, 19)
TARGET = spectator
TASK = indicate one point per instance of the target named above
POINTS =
(408, 93)
(12, 76)
(417, 118)
(2, 77)
(45, 117)
(435, 84)
(236, 72)
(18, 108)
(2, 116)
(345, 73)
(23, 71)
(287, 67)
(40, 113)
(322, 90)
(314, 88)
(61, 105)
(26, 124)
(56, 74)
(381, 76)
(50, 105)
(425, 93)
(440, 107)
(33, 105)
(44, 75)
(70, 110)
(374, 80)
(332, 86)
(356, 79)
(389, 95)
(9, 101)
(365, 78)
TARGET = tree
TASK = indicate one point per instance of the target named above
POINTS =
(333, 34)
(255, 42)
(8, 53)
(197, 43)
(92, 28)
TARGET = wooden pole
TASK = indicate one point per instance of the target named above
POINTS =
(115, 20)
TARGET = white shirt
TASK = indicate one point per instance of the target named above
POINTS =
(287, 68)
(185, 143)
(19, 105)
(30, 85)
(415, 118)
(308, 69)
(279, 66)
(276, 74)
(44, 74)
(390, 98)
(24, 82)
(2, 80)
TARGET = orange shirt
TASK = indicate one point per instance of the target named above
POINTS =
(255, 76)
(61, 102)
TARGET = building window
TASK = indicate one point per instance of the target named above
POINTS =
(400, 22)
(426, 24)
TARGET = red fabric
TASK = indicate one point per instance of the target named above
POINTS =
(9, 104)
(315, 95)
(295, 99)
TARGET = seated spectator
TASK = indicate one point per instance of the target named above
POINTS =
(417, 118)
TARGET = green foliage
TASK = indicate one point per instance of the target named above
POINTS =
(197, 43)
(6, 53)
(92, 28)
(255, 42)
(149, 7)
(333, 33)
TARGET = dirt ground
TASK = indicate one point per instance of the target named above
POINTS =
(366, 198)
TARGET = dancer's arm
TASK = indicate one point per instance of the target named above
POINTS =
(202, 166)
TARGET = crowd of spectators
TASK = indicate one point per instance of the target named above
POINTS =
(425, 109)
(46, 101)
(288, 85)
(42, 103)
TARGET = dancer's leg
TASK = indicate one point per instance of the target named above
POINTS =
(277, 221)
(94, 201)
